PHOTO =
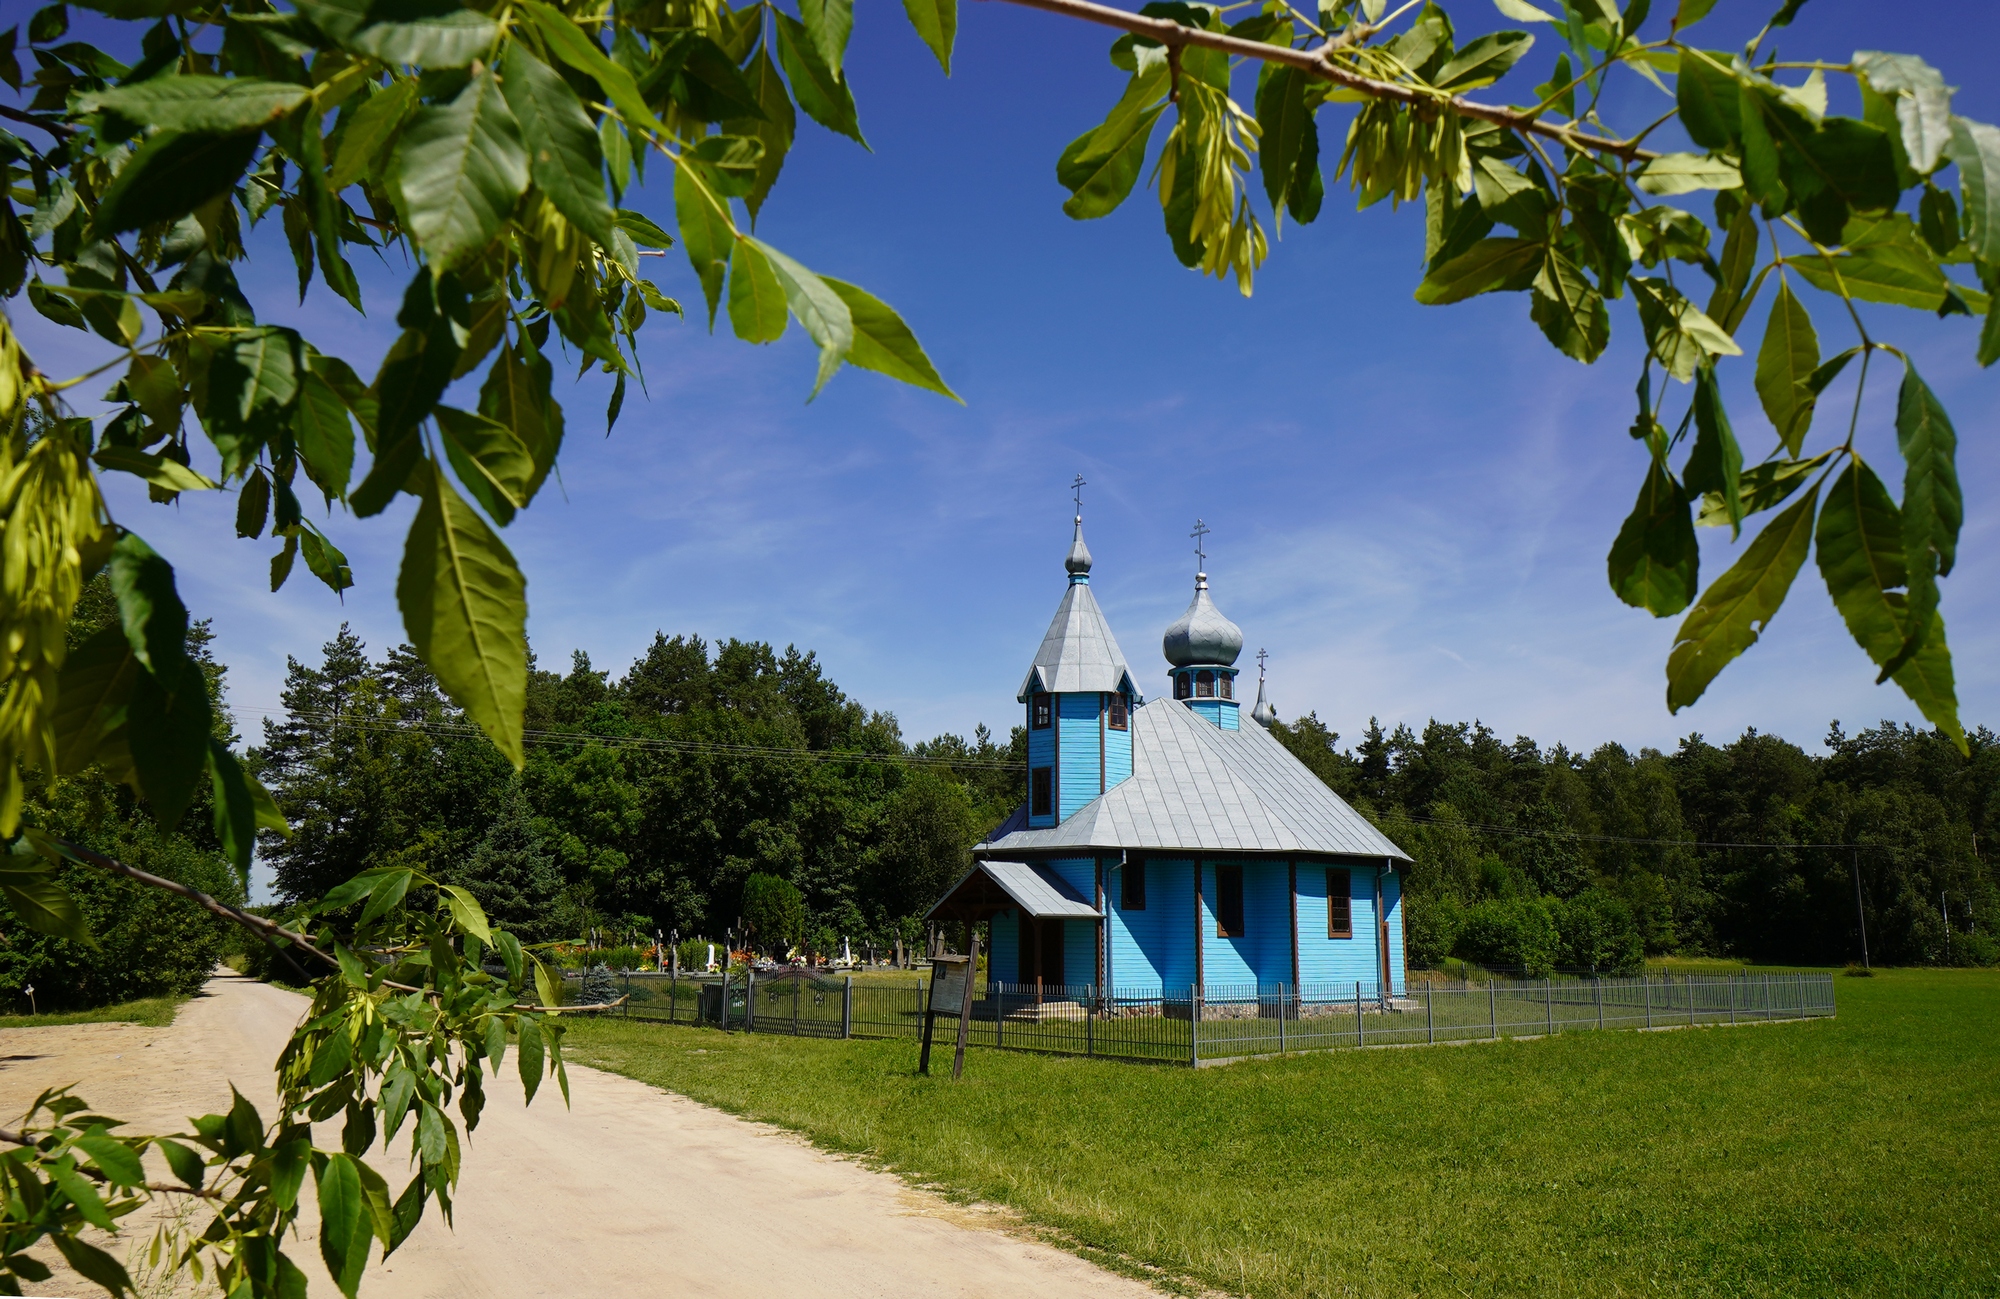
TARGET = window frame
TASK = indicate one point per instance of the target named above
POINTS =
(1041, 710)
(1224, 686)
(1119, 714)
(1132, 886)
(1229, 900)
(1345, 894)
(1183, 685)
(1041, 791)
(1204, 685)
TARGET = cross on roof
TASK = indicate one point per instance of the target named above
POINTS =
(1076, 489)
(1261, 654)
(1201, 530)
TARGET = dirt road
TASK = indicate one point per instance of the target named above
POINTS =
(630, 1191)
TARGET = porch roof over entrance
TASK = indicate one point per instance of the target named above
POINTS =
(991, 887)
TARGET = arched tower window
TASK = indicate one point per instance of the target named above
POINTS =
(1183, 687)
(1228, 686)
(1204, 685)
(1117, 719)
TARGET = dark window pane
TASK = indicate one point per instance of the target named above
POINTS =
(1181, 690)
(1339, 905)
(1042, 785)
(1228, 685)
(1044, 710)
(1118, 722)
(1204, 685)
(1229, 902)
(1132, 886)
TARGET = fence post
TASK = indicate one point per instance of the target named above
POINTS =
(1360, 1033)
(749, 1001)
(1767, 995)
(1732, 999)
(674, 990)
(1281, 1019)
(722, 1015)
(1493, 1006)
(628, 996)
(1194, 1025)
(1646, 981)
(1430, 1019)
(798, 995)
(1090, 1023)
(993, 987)
(1549, 1001)
(847, 1009)
(1690, 990)
(1597, 989)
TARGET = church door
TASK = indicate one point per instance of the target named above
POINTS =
(1041, 951)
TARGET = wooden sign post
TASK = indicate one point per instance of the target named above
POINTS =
(951, 994)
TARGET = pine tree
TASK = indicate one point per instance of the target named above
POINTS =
(512, 874)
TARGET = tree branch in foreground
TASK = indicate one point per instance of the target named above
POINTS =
(1316, 63)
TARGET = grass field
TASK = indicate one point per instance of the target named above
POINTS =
(153, 1012)
(1852, 1156)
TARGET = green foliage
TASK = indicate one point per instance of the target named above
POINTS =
(1512, 934)
(774, 911)
(512, 873)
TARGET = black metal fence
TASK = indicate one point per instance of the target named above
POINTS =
(1203, 1025)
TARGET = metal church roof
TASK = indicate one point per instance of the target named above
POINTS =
(1198, 788)
(996, 885)
(1078, 654)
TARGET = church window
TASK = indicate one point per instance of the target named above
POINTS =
(1044, 709)
(1229, 902)
(1339, 904)
(1182, 686)
(1204, 685)
(1228, 689)
(1132, 886)
(1118, 720)
(1041, 784)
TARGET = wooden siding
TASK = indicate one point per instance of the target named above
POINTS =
(1078, 776)
(1325, 960)
(1118, 756)
(1225, 962)
(1392, 904)
(1217, 712)
(1152, 948)
(1079, 936)
(1041, 753)
(1003, 963)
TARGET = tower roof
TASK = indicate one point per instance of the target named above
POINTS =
(1078, 654)
(1263, 714)
(1203, 635)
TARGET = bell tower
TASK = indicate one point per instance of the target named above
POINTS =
(1202, 647)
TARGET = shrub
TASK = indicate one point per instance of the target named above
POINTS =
(1965, 948)
(1598, 932)
(598, 987)
(1432, 925)
(775, 912)
(1510, 932)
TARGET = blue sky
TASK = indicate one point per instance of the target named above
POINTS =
(1410, 505)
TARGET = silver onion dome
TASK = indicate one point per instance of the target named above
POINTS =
(1263, 714)
(1203, 635)
(1078, 560)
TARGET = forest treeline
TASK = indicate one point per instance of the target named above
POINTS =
(651, 798)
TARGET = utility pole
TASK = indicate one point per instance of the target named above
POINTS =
(1860, 914)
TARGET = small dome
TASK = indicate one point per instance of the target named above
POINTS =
(1263, 714)
(1202, 635)
(1078, 560)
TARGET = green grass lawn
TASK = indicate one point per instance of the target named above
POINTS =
(153, 1012)
(1847, 1156)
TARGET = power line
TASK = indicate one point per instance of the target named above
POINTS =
(1520, 832)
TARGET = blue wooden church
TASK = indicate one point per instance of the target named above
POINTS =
(1170, 842)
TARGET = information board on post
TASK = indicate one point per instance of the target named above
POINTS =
(951, 994)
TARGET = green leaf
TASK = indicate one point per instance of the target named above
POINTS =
(1933, 504)
(1681, 334)
(92, 1263)
(818, 308)
(187, 1165)
(1734, 611)
(1522, 12)
(776, 128)
(169, 721)
(528, 1058)
(641, 228)
(418, 33)
(467, 914)
(492, 462)
(1282, 113)
(386, 895)
(168, 475)
(89, 1204)
(1923, 103)
(289, 1161)
(829, 23)
(1491, 264)
(1483, 62)
(567, 42)
(1706, 91)
(1860, 552)
(149, 607)
(1761, 487)
(323, 436)
(43, 905)
(154, 383)
(1975, 149)
(93, 693)
(729, 163)
(1893, 273)
(1716, 464)
(1684, 173)
(253, 379)
(516, 394)
(1570, 312)
(818, 88)
(460, 168)
(1100, 167)
(465, 607)
(364, 141)
(1785, 362)
(1655, 563)
(325, 561)
(171, 175)
(883, 343)
(756, 298)
(235, 807)
(116, 1160)
(181, 103)
(936, 22)
(706, 232)
(564, 159)
(343, 1234)
(1731, 299)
